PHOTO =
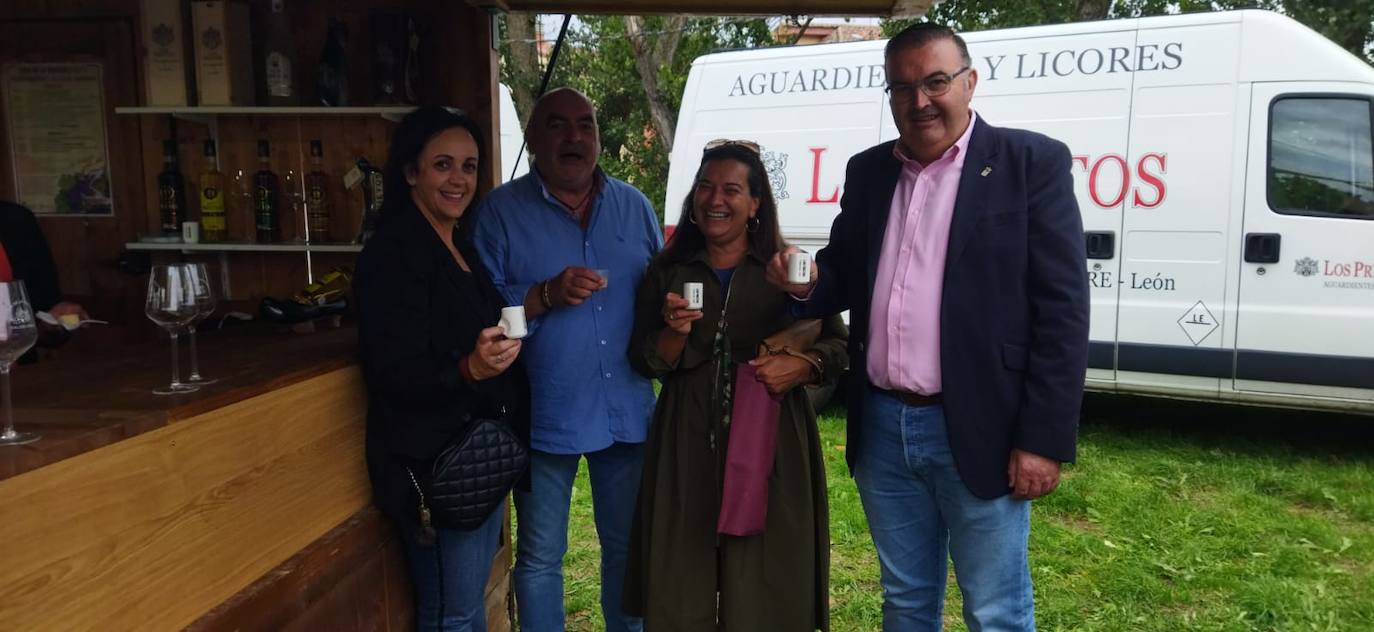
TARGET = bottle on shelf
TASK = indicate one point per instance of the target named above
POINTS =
(331, 79)
(242, 216)
(278, 58)
(266, 196)
(171, 191)
(291, 213)
(317, 196)
(212, 226)
(370, 178)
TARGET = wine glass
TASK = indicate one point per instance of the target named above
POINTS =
(18, 332)
(172, 305)
(205, 303)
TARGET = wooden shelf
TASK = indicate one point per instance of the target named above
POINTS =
(204, 113)
(241, 247)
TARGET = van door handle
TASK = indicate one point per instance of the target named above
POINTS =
(1101, 244)
(1262, 247)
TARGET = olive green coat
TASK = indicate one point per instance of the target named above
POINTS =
(678, 565)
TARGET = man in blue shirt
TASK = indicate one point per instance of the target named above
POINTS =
(571, 244)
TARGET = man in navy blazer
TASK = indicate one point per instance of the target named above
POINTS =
(959, 252)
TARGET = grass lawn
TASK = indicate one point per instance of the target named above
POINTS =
(1176, 517)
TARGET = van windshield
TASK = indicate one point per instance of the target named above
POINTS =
(1321, 159)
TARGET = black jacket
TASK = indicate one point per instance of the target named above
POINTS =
(1014, 309)
(418, 314)
(31, 262)
(29, 255)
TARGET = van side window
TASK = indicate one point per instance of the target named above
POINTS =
(1320, 157)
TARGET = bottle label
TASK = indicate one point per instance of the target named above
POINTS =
(212, 224)
(266, 207)
(211, 201)
(167, 204)
(278, 75)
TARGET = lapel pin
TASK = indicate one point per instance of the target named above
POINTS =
(986, 171)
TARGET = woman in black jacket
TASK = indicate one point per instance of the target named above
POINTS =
(432, 355)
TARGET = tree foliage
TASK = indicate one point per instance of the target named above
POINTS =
(599, 60)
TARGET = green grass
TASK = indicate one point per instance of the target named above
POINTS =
(1176, 517)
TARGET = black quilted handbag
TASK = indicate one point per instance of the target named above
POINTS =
(471, 477)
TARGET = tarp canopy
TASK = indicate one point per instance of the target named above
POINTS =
(884, 8)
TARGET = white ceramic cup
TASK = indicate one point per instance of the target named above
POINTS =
(513, 322)
(605, 275)
(695, 293)
(799, 267)
(190, 232)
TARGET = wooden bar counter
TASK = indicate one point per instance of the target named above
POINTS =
(242, 506)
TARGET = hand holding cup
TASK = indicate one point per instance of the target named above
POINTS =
(493, 353)
(573, 285)
(678, 315)
(780, 273)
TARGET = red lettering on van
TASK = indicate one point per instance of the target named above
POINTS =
(1125, 181)
(1148, 191)
(816, 180)
(1152, 180)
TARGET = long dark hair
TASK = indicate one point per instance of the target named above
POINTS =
(764, 242)
(411, 135)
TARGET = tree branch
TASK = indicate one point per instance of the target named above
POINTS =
(801, 28)
(649, 58)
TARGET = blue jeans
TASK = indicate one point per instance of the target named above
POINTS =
(451, 576)
(921, 515)
(542, 533)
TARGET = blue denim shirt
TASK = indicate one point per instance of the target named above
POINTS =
(585, 395)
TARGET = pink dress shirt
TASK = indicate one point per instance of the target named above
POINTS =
(904, 322)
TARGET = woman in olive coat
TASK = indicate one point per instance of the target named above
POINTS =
(681, 574)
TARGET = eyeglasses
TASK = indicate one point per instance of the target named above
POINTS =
(934, 86)
(726, 142)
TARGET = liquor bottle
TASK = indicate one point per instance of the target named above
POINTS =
(171, 191)
(317, 196)
(395, 57)
(279, 58)
(373, 196)
(240, 205)
(291, 210)
(266, 196)
(332, 74)
(212, 226)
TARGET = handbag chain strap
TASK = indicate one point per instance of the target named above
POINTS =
(427, 534)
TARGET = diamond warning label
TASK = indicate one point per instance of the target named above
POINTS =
(1198, 323)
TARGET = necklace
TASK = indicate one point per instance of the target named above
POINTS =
(572, 208)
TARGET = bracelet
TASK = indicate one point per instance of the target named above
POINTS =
(544, 296)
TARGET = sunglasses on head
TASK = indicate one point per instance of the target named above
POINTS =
(726, 142)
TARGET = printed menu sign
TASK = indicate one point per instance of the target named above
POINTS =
(56, 122)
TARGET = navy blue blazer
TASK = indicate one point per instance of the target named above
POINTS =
(1014, 311)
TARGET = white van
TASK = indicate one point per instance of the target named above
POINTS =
(1222, 163)
(514, 156)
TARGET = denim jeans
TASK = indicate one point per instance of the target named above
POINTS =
(451, 576)
(921, 515)
(542, 533)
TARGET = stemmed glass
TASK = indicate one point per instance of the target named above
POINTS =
(205, 302)
(18, 333)
(172, 305)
